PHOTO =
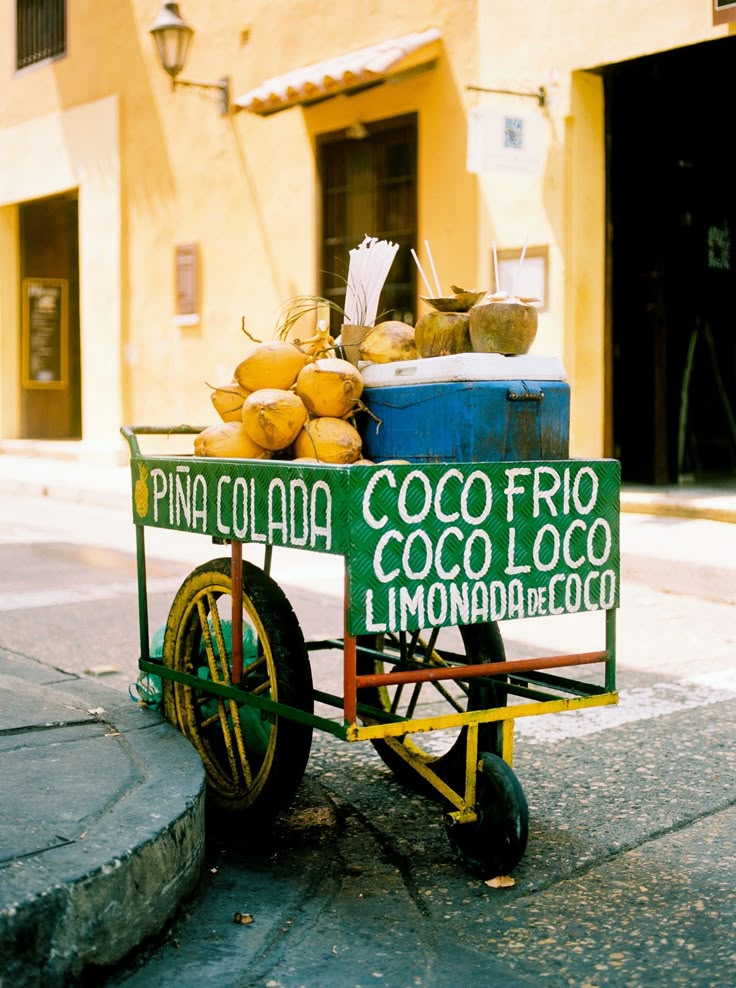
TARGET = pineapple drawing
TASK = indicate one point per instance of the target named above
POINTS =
(141, 491)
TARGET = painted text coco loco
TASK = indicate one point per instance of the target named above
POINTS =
(443, 555)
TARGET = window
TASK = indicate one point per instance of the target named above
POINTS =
(40, 31)
(187, 284)
(369, 186)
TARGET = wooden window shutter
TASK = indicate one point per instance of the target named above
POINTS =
(187, 279)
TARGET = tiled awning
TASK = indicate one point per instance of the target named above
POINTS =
(347, 73)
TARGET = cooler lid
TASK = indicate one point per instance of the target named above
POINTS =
(463, 367)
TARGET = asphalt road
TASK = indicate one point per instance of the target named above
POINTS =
(629, 876)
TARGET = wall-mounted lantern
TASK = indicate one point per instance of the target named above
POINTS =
(173, 37)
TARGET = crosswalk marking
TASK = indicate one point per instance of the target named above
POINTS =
(636, 703)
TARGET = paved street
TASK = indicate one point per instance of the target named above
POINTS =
(629, 875)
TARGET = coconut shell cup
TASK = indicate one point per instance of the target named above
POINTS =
(509, 328)
(438, 334)
(459, 302)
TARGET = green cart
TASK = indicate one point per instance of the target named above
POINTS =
(435, 556)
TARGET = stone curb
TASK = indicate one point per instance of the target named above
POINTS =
(88, 901)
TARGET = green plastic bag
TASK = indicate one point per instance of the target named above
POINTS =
(148, 688)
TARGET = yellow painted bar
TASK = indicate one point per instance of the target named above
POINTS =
(507, 742)
(368, 732)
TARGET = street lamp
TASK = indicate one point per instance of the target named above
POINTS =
(173, 36)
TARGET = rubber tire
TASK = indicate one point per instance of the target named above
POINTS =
(495, 843)
(482, 643)
(275, 748)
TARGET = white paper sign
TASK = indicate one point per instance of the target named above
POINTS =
(504, 142)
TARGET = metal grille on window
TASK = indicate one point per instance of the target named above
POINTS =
(40, 30)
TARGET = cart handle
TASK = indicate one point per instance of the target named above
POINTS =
(130, 432)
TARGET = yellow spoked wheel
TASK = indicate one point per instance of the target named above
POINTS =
(443, 751)
(254, 760)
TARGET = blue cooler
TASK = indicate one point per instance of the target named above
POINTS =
(465, 408)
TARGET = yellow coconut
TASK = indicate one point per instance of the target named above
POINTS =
(330, 386)
(227, 400)
(228, 439)
(389, 341)
(273, 364)
(330, 440)
(273, 417)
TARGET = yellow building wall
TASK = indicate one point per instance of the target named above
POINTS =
(559, 46)
(75, 149)
(156, 168)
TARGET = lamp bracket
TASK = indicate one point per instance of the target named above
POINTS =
(222, 86)
(540, 95)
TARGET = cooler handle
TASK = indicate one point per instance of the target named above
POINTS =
(526, 395)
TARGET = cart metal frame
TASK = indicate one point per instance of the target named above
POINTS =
(187, 494)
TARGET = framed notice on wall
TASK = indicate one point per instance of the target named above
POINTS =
(724, 11)
(45, 328)
(527, 276)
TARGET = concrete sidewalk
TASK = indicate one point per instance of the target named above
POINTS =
(101, 802)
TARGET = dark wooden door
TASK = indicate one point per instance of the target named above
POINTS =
(50, 386)
(672, 218)
(369, 187)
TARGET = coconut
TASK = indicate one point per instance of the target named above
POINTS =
(330, 440)
(440, 333)
(330, 387)
(273, 364)
(389, 341)
(227, 400)
(273, 417)
(228, 439)
(507, 326)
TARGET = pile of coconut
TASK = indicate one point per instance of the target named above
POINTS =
(295, 400)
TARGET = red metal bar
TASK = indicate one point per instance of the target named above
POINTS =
(483, 669)
(236, 575)
(350, 694)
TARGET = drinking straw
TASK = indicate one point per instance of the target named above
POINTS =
(421, 272)
(521, 261)
(367, 272)
(495, 266)
(434, 269)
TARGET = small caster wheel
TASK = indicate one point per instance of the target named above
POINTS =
(494, 843)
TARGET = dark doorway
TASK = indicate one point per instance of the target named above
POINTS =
(369, 186)
(50, 386)
(672, 219)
